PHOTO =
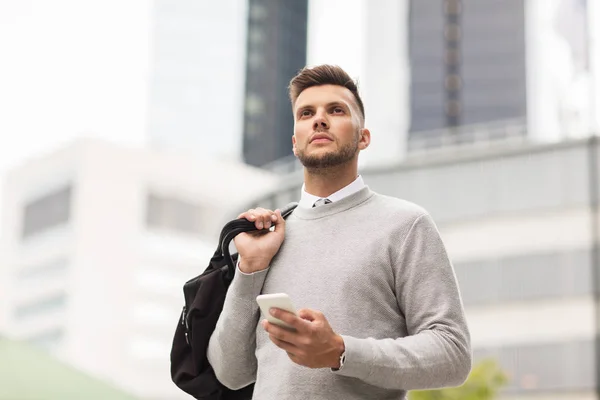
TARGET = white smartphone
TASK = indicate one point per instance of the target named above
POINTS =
(277, 300)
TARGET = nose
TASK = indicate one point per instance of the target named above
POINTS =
(320, 121)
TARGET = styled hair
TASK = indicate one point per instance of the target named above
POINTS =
(324, 75)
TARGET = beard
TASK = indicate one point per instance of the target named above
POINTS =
(330, 159)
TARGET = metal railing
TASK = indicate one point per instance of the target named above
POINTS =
(285, 165)
(468, 135)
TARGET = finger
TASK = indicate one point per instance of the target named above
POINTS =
(259, 221)
(263, 218)
(249, 215)
(284, 334)
(295, 322)
(268, 218)
(309, 315)
(288, 347)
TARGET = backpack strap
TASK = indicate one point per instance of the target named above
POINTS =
(237, 226)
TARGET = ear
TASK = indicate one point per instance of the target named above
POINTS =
(294, 145)
(365, 139)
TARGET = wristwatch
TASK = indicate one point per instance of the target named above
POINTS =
(342, 360)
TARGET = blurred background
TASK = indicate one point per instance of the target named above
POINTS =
(132, 130)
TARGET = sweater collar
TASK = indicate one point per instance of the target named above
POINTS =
(344, 204)
(307, 200)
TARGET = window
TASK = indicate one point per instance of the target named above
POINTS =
(256, 35)
(255, 60)
(255, 105)
(252, 129)
(51, 269)
(41, 306)
(512, 279)
(258, 12)
(47, 212)
(174, 214)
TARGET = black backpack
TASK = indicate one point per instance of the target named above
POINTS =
(204, 297)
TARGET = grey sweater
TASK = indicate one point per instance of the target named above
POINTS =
(376, 267)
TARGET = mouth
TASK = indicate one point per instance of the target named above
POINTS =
(316, 141)
(321, 138)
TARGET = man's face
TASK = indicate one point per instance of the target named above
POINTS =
(327, 128)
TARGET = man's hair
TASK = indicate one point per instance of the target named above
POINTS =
(324, 75)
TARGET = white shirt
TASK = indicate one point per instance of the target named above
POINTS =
(307, 200)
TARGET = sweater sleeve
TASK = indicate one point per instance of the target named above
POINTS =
(437, 351)
(231, 348)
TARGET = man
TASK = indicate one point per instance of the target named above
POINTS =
(380, 313)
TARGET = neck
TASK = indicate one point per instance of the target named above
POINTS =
(323, 182)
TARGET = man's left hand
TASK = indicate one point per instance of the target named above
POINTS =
(312, 343)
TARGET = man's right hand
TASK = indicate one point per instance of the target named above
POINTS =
(256, 249)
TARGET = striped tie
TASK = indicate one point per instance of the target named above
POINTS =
(321, 202)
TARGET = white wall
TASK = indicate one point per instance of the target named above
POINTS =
(515, 234)
(387, 81)
(593, 17)
(532, 322)
(559, 92)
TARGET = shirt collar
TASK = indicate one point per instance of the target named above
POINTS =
(307, 200)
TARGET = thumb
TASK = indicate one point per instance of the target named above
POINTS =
(280, 223)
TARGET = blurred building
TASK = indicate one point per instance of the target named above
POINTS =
(97, 243)
(431, 74)
(484, 70)
(219, 76)
(276, 51)
(467, 61)
(521, 224)
(453, 72)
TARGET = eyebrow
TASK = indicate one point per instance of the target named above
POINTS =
(328, 105)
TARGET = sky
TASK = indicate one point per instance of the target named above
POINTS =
(71, 68)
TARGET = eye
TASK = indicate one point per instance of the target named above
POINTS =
(338, 110)
(305, 113)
